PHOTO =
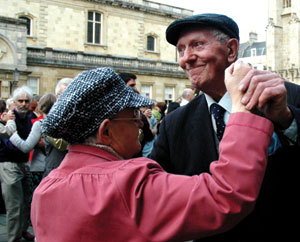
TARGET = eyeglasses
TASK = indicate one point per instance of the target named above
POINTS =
(137, 118)
(23, 100)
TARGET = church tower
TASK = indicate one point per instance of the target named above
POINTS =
(283, 38)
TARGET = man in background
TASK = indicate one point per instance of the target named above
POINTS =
(15, 175)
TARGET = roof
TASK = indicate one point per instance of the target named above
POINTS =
(246, 49)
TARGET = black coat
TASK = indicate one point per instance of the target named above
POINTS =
(186, 145)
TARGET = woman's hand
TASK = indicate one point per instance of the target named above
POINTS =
(233, 75)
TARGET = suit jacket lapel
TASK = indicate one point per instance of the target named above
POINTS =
(201, 126)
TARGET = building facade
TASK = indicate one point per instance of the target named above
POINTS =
(42, 41)
(283, 39)
(254, 52)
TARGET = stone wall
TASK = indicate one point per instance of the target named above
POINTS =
(59, 36)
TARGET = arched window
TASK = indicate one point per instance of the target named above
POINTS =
(150, 43)
(94, 27)
(28, 24)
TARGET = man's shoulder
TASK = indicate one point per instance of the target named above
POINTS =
(187, 110)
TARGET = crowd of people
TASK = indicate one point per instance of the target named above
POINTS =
(106, 164)
(26, 154)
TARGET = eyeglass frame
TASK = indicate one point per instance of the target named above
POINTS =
(137, 117)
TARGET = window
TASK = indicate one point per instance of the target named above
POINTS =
(169, 94)
(94, 28)
(146, 91)
(287, 3)
(28, 24)
(33, 83)
(253, 52)
(150, 43)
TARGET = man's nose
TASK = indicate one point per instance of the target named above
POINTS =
(188, 55)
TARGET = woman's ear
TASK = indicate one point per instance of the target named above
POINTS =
(103, 134)
(233, 48)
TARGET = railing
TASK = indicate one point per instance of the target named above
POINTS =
(84, 60)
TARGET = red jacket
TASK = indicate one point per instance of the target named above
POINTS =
(93, 196)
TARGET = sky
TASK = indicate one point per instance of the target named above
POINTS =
(249, 15)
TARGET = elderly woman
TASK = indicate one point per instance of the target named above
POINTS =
(99, 193)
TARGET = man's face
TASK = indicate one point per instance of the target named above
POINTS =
(125, 132)
(22, 103)
(132, 83)
(204, 60)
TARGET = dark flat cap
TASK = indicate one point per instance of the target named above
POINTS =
(218, 21)
(90, 98)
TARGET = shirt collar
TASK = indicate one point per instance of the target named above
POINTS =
(225, 102)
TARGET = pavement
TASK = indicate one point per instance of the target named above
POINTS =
(3, 231)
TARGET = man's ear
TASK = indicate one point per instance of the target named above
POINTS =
(103, 134)
(233, 48)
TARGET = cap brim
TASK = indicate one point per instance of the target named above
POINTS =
(137, 101)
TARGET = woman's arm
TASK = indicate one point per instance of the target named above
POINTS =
(31, 141)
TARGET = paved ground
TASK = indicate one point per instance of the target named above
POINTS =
(3, 232)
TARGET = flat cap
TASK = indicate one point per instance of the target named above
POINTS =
(218, 21)
(92, 97)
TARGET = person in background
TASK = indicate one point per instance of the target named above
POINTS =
(35, 141)
(161, 108)
(33, 106)
(187, 95)
(7, 121)
(207, 44)
(149, 113)
(129, 79)
(101, 193)
(56, 149)
(146, 134)
(172, 106)
(15, 175)
(10, 105)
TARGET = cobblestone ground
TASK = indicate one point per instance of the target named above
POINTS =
(3, 232)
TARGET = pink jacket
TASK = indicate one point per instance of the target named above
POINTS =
(93, 196)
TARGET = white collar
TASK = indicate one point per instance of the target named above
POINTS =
(225, 102)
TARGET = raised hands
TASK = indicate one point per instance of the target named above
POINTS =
(266, 91)
(233, 76)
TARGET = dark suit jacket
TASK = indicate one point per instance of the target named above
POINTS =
(186, 145)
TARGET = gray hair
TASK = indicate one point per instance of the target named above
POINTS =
(9, 102)
(186, 92)
(220, 36)
(64, 81)
(23, 90)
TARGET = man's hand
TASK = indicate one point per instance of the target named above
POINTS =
(233, 75)
(266, 91)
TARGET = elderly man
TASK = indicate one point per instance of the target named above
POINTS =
(207, 44)
(187, 95)
(14, 172)
(99, 193)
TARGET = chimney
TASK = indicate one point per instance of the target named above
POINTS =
(252, 37)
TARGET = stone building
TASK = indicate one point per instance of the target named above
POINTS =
(254, 52)
(283, 39)
(42, 41)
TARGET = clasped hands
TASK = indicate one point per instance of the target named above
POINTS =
(252, 89)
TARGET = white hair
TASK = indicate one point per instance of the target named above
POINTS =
(64, 81)
(9, 102)
(186, 92)
(23, 90)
